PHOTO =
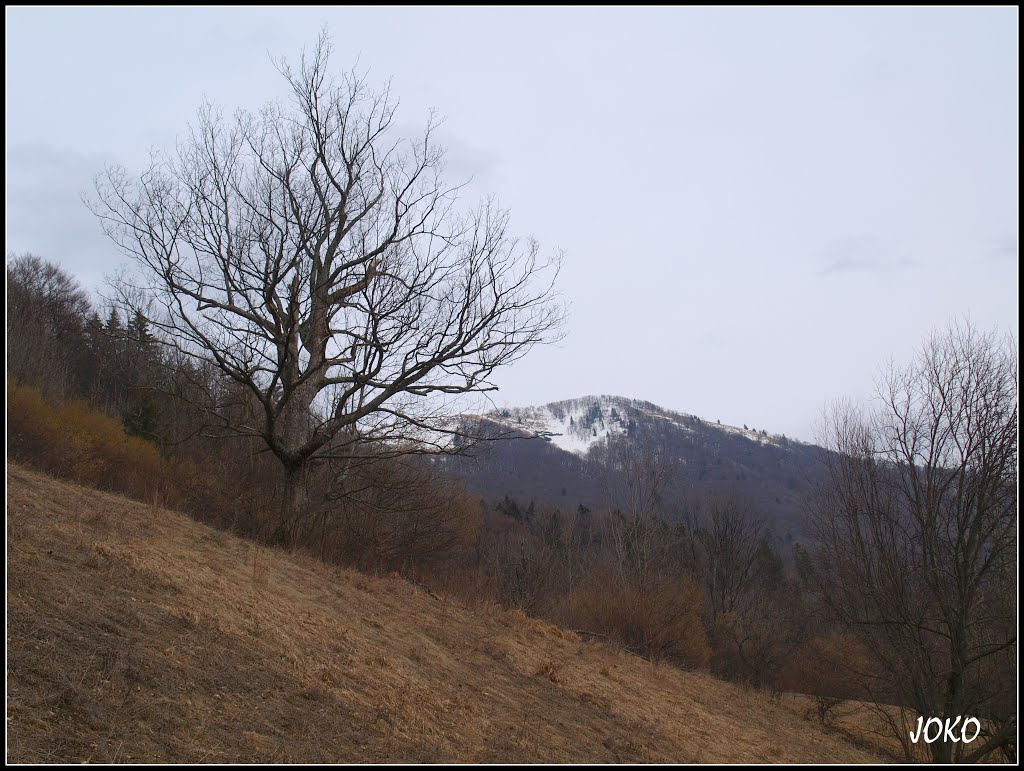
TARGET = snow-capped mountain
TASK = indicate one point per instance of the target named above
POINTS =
(577, 425)
(557, 458)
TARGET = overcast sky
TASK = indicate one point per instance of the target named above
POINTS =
(759, 208)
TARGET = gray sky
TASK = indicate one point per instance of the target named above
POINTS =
(758, 207)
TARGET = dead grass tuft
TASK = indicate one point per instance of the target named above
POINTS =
(549, 669)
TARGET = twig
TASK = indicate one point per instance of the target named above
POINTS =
(592, 634)
(425, 588)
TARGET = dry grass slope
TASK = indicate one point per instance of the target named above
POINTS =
(136, 634)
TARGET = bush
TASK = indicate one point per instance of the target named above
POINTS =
(661, 621)
(832, 668)
(76, 442)
(386, 514)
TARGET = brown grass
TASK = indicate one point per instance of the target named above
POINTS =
(138, 635)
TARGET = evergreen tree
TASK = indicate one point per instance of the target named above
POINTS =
(509, 508)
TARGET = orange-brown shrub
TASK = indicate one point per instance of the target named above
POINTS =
(33, 429)
(79, 443)
(661, 620)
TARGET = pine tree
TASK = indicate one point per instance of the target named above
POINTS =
(509, 508)
(113, 326)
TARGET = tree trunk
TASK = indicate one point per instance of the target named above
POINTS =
(293, 505)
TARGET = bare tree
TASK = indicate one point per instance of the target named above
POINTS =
(394, 513)
(917, 533)
(638, 589)
(724, 540)
(749, 611)
(636, 478)
(320, 263)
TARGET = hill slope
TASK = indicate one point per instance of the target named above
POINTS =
(136, 634)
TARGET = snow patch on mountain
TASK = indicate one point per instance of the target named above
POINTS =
(578, 425)
(574, 426)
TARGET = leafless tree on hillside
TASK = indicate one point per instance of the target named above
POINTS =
(635, 477)
(320, 263)
(724, 541)
(750, 615)
(917, 533)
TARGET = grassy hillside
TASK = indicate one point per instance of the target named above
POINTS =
(136, 634)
